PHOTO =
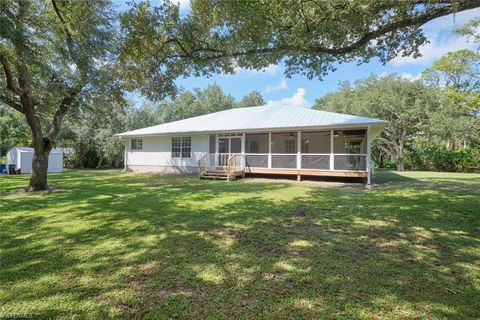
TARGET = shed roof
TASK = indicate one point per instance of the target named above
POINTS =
(267, 117)
(30, 150)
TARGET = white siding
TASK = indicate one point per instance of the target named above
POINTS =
(55, 162)
(156, 155)
(25, 163)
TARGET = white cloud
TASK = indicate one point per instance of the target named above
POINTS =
(405, 75)
(434, 50)
(271, 69)
(409, 76)
(283, 85)
(297, 100)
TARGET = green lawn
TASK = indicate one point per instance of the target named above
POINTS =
(148, 246)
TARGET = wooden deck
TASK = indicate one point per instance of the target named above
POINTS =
(309, 172)
(234, 167)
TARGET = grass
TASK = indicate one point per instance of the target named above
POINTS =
(110, 245)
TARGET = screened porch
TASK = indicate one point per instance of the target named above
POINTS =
(325, 150)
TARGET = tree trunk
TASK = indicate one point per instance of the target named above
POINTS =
(42, 148)
(400, 166)
(100, 162)
(38, 178)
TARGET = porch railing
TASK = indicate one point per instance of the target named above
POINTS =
(222, 161)
(314, 161)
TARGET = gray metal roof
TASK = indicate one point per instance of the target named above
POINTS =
(269, 117)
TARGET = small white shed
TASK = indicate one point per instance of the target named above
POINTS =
(22, 157)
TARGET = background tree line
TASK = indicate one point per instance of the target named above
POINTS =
(91, 132)
(434, 121)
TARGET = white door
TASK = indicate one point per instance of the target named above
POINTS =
(227, 146)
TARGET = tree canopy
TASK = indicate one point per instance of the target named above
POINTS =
(456, 76)
(405, 104)
(310, 37)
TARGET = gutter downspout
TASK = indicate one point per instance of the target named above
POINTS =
(125, 169)
(369, 159)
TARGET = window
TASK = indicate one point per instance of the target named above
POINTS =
(186, 147)
(284, 142)
(181, 147)
(137, 144)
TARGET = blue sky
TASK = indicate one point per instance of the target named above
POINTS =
(300, 91)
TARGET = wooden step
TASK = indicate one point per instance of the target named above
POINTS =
(213, 173)
(214, 177)
(216, 171)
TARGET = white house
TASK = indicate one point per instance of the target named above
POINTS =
(264, 140)
(22, 158)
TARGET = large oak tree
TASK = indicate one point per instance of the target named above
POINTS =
(54, 55)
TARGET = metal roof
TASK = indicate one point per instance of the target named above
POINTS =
(269, 117)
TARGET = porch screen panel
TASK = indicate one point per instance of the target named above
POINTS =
(284, 142)
(350, 141)
(313, 161)
(350, 162)
(316, 142)
(256, 143)
(256, 161)
(284, 161)
(235, 145)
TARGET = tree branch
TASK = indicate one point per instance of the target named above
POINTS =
(60, 114)
(70, 43)
(11, 103)
(414, 20)
(9, 79)
(66, 29)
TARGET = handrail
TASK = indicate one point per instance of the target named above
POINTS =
(231, 164)
(202, 165)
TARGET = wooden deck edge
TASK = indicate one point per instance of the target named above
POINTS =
(320, 173)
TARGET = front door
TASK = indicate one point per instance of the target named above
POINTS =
(227, 146)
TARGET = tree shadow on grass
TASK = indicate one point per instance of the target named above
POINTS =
(185, 248)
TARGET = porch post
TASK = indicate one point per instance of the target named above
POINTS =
(269, 150)
(369, 158)
(216, 150)
(243, 143)
(299, 154)
(125, 155)
(331, 151)
(242, 161)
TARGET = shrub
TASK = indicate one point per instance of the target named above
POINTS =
(442, 159)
